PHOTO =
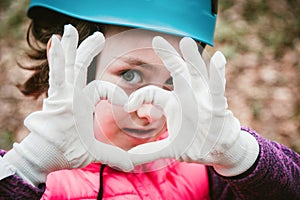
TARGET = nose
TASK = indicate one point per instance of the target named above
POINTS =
(149, 112)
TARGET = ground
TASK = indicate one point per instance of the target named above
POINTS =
(260, 40)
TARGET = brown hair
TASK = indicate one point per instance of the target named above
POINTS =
(44, 24)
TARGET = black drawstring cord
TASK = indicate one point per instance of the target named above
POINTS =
(100, 193)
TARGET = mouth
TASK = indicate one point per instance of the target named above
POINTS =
(140, 134)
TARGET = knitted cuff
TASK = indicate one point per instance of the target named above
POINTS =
(240, 157)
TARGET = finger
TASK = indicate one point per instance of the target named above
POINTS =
(173, 62)
(217, 73)
(148, 95)
(69, 44)
(56, 65)
(112, 156)
(99, 151)
(87, 50)
(149, 152)
(150, 112)
(219, 61)
(193, 58)
(101, 90)
(217, 82)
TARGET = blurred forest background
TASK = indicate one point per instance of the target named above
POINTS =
(260, 39)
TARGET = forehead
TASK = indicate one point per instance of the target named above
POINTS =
(135, 38)
(126, 42)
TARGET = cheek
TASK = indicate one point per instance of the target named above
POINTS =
(103, 113)
(105, 121)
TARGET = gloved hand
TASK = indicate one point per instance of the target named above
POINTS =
(200, 126)
(61, 134)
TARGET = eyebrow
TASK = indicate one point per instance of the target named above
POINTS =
(133, 61)
(138, 62)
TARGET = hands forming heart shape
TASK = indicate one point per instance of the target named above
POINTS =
(200, 127)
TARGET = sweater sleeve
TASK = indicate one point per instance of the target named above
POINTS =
(275, 175)
(13, 187)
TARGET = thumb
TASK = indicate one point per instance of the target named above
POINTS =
(147, 95)
(112, 156)
(149, 152)
(101, 90)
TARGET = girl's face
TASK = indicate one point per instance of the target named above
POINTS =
(129, 61)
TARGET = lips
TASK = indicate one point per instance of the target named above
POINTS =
(139, 133)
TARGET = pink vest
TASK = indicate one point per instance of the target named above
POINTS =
(186, 181)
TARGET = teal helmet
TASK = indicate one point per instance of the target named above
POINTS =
(192, 18)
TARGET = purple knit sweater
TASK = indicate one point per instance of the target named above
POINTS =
(275, 175)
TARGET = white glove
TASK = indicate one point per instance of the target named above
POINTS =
(201, 128)
(62, 134)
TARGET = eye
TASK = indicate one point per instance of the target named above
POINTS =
(169, 81)
(169, 84)
(132, 76)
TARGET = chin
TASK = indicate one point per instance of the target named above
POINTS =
(133, 142)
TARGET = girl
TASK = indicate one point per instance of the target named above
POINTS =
(153, 125)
